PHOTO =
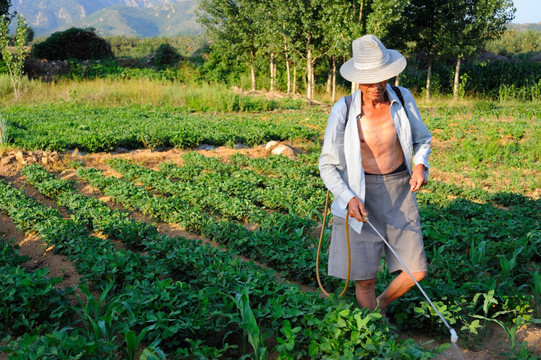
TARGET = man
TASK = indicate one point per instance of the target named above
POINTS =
(373, 161)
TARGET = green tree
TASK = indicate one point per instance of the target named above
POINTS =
(384, 13)
(473, 24)
(306, 23)
(514, 42)
(166, 56)
(74, 43)
(14, 62)
(4, 7)
(235, 27)
(424, 26)
(341, 24)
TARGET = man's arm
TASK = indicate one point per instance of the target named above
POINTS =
(332, 158)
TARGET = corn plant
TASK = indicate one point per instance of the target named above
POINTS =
(510, 331)
(537, 293)
(100, 317)
(133, 341)
(250, 326)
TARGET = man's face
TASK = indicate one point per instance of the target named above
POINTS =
(374, 92)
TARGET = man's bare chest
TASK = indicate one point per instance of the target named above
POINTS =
(377, 131)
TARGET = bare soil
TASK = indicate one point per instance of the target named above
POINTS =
(492, 345)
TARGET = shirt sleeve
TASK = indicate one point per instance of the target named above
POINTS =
(332, 160)
(421, 137)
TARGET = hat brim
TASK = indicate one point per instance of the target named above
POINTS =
(396, 64)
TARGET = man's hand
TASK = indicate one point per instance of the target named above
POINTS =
(418, 178)
(356, 209)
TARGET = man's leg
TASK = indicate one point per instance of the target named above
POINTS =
(400, 285)
(365, 291)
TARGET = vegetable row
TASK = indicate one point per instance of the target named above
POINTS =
(206, 278)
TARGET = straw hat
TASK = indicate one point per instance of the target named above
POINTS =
(372, 62)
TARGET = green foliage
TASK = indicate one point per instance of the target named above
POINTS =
(4, 132)
(513, 43)
(249, 324)
(177, 294)
(74, 43)
(4, 7)
(177, 311)
(504, 80)
(29, 301)
(62, 127)
(166, 56)
(352, 333)
(14, 63)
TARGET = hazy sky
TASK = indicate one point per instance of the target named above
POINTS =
(528, 11)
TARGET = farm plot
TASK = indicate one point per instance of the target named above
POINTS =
(183, 297)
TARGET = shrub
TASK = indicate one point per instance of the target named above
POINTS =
(166, 56)
(74, 43)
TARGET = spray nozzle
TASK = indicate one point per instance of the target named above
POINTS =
(454, 336)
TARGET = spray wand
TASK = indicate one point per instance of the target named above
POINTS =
(454, 336)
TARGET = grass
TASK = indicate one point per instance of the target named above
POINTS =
(109, 92)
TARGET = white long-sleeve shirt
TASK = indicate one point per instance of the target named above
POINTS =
(340, 163)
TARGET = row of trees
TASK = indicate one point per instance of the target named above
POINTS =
(302, 32)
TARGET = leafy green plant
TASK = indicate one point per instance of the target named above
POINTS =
(28, 300)
(286, 346)
(4, 132)
(15, 63)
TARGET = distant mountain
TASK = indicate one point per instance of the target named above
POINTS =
(143, 18)
(524, 27)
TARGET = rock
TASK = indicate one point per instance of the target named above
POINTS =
(121, 150)
(7, 160)
(271, 144)
(283, 150)
(19, 155)
(206, 147)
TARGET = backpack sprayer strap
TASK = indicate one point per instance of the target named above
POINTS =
(321, 241)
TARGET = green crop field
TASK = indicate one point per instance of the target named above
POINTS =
(144, 293)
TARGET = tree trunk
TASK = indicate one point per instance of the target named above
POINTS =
(309, 74)
(252, 69)
(397, 80)
(428, 73)
(361, 11)
(313, 84)
(294, 90)
(354, 87)
(288, 71)
(333, 78)
(274, 73)
(457, 78)
(272, 79)
(328, 83)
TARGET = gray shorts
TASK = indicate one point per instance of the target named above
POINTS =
(392, 209)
